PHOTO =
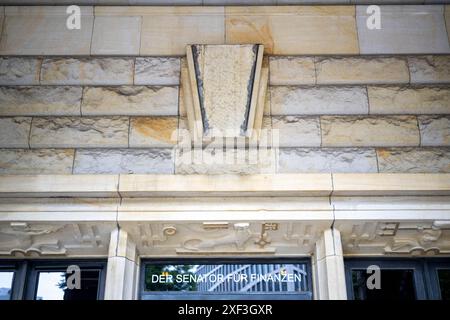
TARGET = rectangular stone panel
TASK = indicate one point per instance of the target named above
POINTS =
(116, 36)
(14, 132)
(38, 161)
(295, 131)
(87, 71)
(130, 100)
(153, 132)
(429, 69)
(19, 71)
(434, 130)
(414, 160)
(40, 101)
(389, 131)
(213, 161)
(157, 71)
(362, 70)
(292, 71)
(294, 30)
(409, 100)
(404, 29)
(166, 30)
(289, 100)
(322, 160)
(124, 161)
(42, 30)
(79, 132)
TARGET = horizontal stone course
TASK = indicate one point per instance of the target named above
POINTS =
(157, 71)
(414, 160)
(124, 161)
(289, 100)
(19, 71)
(156, 132)
(14, 132)
(130, 100)
(79, 132)
(295, 131)
(362, 70)
(87, 71)
(434, 130)
(40, 101)
(292, 71)
(322, 160)
(409, 100)
(429, 69)
(357, 131)
(37, 161)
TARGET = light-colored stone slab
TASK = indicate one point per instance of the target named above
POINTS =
(79, 132)
(87, 71)
(116, 36)
(40, 161)
(409, 100)
(318, 100)
(130, 100)
(362, 70)
(214, 161)
(295, 131)
(414, 160)
(156, 132)
(124, 161)
(389, 131)
(157, 71)
(373, 184)
(226, 185)
(14, 132)
(404, 29)
(292, 71)
(19, 71)
(294, 30)
(40, 101)
(321, 160)
(429, 69)
(447, 20)
(41, 30)
(103, 186)
(434, 130)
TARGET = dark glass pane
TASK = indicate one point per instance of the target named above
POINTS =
(223, 278)
(6, 279)
(444, 283)
(395, 285)
(53, 286)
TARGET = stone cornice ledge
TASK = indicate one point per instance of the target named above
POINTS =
(97, 186)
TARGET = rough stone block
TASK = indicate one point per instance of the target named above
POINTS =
(40, 101)
(292, 71)
(157, 71)
(322, 160)
(130, 100)
(429, 69)
(87, 71)
(389, 131)
(14, 132)
(318, 100)
(409, 100)
(414, 160)
(291, 30)
(434, 130)
(295, 131)
(116, 35)
(19, 71)
(41, 30)
(362, 70)
(404, 29)
(156, 132)
(38, 161)
(82, 132)
(124, 161)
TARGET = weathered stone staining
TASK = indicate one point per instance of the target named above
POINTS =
(414, 160)
(36, 161)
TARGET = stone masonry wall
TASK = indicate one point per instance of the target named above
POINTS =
(64, 115)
